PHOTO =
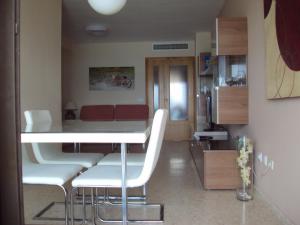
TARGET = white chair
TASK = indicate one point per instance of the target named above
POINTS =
(133, 159)
(137, 176)
(53, 175)
(51, 153)
(114, 159)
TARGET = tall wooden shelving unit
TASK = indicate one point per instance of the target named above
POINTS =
(230, 103)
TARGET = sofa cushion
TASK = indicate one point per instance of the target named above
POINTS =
(97, 113)
(131, 112)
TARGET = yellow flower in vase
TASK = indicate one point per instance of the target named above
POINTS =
(245, 149)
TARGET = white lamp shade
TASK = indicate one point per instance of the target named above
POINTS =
(70, 106)
(107, 7)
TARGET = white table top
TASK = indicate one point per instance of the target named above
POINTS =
(78, 131)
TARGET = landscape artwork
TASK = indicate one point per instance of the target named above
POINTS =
(111, 78)
(282, 38)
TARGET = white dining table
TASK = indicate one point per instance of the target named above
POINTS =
(77, 131)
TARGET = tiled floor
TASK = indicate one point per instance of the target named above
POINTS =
(176, 184)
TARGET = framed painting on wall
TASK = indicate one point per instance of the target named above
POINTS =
(111, 78)
(282, 40)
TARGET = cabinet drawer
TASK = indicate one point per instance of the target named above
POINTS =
(232, 36)
(230, 105)
(220, 170)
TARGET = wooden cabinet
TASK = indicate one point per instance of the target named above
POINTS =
(230, 96)
(220, 169)
(230, 105)
(217, 167)
(231, 36)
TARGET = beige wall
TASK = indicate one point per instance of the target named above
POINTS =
(274, 124)
(203, 42)
(79, 58)
(41, 56)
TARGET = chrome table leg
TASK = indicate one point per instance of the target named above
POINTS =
(92, 206)
(124, 185)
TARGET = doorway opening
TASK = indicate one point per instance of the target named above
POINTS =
(170, 85)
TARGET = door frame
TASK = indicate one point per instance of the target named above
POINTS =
(11, 191)
(193, 86)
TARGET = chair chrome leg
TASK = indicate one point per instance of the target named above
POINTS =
(145, 192)
(72, 205)
(96, 214)
(83, 207)
(66, 204)
(139, 221)
(96, 203)
(106, 195)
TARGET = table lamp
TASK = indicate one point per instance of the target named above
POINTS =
(70, 109)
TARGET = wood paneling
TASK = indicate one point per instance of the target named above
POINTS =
(231, 105)
(217, 169)
(232, 36)
(11, 207)
(220, 170)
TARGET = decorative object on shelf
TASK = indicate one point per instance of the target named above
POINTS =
(107, 7)
(204, 64)
(245, 148)
(111, 78)
(70, 109)
(282, 60)
(232, 71)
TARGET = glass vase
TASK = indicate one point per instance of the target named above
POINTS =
(244, 193)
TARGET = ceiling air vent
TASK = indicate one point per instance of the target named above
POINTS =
(170, 46)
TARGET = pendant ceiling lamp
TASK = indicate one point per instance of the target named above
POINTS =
(107, 7)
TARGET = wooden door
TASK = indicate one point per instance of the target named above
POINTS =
(170, 85)
(11, 208)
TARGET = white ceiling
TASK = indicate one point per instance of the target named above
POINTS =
(142, 20)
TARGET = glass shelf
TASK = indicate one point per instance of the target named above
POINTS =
(231, 71)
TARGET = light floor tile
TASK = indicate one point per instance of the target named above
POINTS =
(176, 184)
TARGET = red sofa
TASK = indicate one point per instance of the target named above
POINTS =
(97, 113)
(110, 112)
(131, 112)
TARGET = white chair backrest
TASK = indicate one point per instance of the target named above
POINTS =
(37, 116)
(25, 156)
(155, 143)
(45, 153)
(42, 151)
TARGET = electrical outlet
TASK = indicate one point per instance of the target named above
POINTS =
(266, 160)
(260, 157)
(271, 164)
